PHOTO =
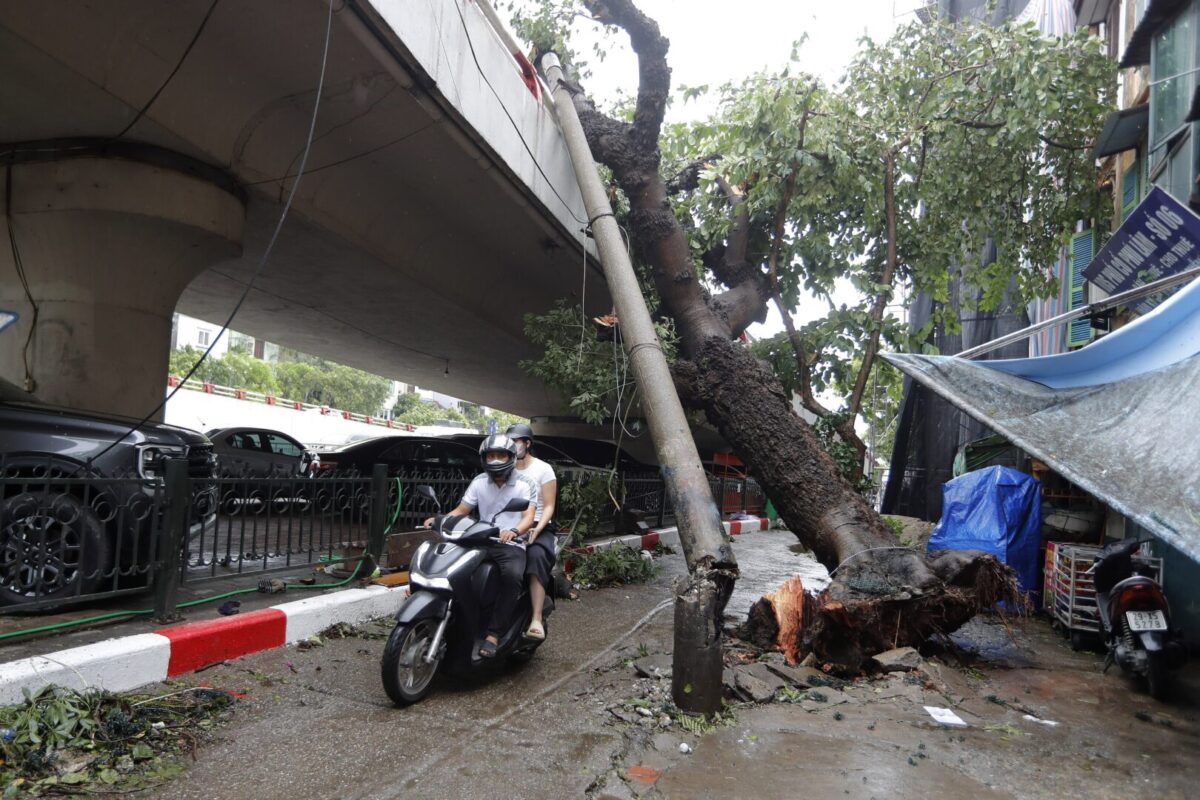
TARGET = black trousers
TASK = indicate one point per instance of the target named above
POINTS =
(510, 563)
(539, 556)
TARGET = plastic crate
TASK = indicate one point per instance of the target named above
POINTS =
(1070, 593)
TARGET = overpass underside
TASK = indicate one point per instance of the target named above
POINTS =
(149, 147)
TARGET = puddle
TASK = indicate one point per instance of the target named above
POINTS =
(767, 559)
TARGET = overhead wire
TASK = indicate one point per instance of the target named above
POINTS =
(179, 63)
(262, 261)
(20, 267)
(513, 122)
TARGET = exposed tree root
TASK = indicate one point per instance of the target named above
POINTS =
(859, 616)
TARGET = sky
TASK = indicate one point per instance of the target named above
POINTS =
(719, 41)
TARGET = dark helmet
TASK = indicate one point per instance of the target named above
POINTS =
(520, 431)
(498, 443)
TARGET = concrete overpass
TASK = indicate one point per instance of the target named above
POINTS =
(148, 145)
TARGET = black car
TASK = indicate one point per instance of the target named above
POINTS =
(76, 515)
(260, 453)
(405, 456)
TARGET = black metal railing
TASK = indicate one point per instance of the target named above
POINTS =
(68, 536)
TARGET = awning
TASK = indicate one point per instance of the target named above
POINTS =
(1117, 418)
(1158, 13)
(1092, 12)
(1123, 130)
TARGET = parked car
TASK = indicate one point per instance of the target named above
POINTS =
(410, 456)
(261, 453)
(67, 527)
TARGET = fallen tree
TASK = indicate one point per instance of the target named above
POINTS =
(883, 594)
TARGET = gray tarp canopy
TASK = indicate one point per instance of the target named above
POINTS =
(1134, 443)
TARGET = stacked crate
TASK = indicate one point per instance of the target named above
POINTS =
(1070, 595)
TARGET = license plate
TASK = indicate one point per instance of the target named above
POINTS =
(1146, 620)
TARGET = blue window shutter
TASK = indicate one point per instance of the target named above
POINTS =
(1083, 247)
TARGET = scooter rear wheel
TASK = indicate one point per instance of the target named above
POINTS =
(1157, 676)
(407, 677)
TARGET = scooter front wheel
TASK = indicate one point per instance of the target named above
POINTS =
(407, 676)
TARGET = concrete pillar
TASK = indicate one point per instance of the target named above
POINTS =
(107, 246)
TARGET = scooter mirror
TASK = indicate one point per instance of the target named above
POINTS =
(426, 491)
(517, 504)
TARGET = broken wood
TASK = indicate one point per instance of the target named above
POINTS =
(846, 624)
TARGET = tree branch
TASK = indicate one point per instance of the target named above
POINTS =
(688, 178)
(742, 305)
(654, 76)
(889, 272)
(1062, 146)
(728, 260)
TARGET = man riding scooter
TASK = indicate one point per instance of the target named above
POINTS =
(488, 494)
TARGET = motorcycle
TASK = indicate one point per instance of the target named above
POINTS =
(1135, 617)
(444, 621)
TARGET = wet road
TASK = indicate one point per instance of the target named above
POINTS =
(317, 722)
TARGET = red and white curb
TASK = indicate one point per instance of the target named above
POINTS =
(670, 536)
(132, 661)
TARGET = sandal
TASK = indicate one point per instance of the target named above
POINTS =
(487, 649)
(536, 631)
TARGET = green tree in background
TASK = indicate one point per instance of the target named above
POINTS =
(314, 381)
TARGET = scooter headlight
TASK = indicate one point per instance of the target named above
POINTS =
(417, 579)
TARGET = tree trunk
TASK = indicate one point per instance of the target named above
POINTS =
(883, 593)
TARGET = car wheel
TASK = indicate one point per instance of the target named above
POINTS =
(51, 546)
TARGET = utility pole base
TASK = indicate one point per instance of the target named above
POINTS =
(696, 684)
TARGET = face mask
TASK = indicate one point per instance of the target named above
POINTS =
(522, 449)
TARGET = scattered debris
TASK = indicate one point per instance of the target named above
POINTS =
(374, 629)
(612, 566)
(310, 643)
(657, 666)
(756, 683)
(272, 586)
(902, 659)
(685, 748)
(944, 716)
(1048, 722)
(647, 775)
(64, 741)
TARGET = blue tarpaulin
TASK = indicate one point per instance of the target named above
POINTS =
(996, 510)
(1117, 418)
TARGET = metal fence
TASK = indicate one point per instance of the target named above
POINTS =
(67, 537)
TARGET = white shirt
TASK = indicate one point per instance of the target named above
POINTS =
(488, 499)
(540, 473)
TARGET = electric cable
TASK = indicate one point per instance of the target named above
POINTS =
(513, 122)
(262, 260)
(20, 267)
(195, 37)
